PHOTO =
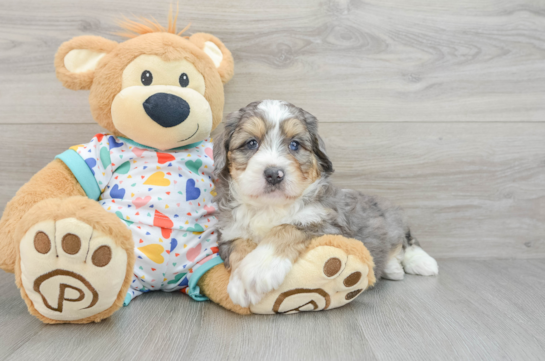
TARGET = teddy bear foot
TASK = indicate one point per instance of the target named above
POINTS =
(333, 272)
(72, 272)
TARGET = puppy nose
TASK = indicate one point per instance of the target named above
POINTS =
(274, 175)
(167, 110)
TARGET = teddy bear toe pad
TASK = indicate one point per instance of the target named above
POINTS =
(324, 278)
(70, 271)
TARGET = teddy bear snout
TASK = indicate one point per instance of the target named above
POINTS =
(167, 110)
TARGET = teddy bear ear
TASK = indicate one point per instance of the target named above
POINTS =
(220, 55)
(77, 59)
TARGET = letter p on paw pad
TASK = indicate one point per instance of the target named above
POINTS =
(70, 271)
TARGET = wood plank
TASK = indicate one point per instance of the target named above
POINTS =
(470, 189)
(17, 327)
(344, 61)
(474, 310)
(469, 312)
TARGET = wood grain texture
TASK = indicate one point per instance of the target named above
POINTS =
(469, 190)
(16, 327)
(438, 106)
(474, 310)
(346, 61)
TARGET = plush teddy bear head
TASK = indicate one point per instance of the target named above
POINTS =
(159, 89)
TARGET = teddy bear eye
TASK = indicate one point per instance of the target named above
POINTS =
(184, 80)
(146, 77)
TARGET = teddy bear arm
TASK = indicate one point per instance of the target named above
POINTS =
(331, 272)
(214, 283)
(54, 181)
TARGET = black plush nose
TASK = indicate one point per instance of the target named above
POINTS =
(167, 110)
(274, 175)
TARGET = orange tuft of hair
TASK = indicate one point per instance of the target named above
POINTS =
(146, 26)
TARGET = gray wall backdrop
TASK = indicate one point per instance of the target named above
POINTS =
(439, 105)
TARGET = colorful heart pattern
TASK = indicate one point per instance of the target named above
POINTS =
(113, 143)
(191, 191)
(105, 157)
(196, 229)
(163, 158)
(157, 179)
(138, 151)
(141, 202)
(163, 222)
(194, 166)
(192, 253)
(209, 209)
(209, 152)
(165, 199)
(123, 168)
(117, 192)
(91, 162)
(153, 252)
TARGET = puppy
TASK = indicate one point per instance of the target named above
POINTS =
(274, 196)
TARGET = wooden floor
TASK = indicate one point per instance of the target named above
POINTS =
(437, 105)
(475, 310)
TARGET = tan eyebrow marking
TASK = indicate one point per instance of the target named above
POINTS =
(255, 126)
(251, 127)
(292, 127)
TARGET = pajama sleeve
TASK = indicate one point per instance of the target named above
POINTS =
(94, 163)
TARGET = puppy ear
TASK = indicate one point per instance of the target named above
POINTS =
(222, 142)
(319, 149)
(220, 55)
(318, 144)
(77, 59)
(220, 154)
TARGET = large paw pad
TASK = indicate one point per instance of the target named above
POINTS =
(69, 270)
(322, 279)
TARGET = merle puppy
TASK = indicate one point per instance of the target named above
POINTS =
(274, 196)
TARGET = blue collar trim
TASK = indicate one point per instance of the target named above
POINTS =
(136, 144)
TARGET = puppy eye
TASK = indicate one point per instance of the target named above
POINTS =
(252, 144)
(146, 77)
(294, 145)
(184, 80)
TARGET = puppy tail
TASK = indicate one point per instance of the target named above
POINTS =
(415, 260)
(410, 240)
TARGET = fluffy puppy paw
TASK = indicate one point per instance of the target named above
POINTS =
(236, 290)
(261, 272)
(417, 262)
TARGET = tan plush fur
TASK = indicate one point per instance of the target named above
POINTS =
(146, 26)
(350, 247)
(34, 203)
(214, 283)
(105, 81)
(81, 81)
(90, 212)
(227, 66)
(54, 193)
(55, 180)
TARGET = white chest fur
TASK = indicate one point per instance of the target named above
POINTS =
(255, 223)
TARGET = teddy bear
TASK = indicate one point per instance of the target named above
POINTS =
(132, 210)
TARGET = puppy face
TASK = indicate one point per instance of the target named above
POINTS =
(270, 152)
